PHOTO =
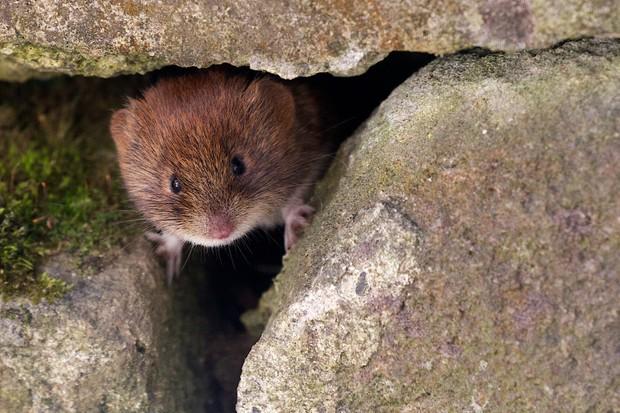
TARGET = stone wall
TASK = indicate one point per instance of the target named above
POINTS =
(296, 38)
(465, 256)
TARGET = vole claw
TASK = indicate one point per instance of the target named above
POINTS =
(170, 248)
(295, 220)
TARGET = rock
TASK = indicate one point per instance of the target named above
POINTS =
(104, 38)
(114, 343)
(465, 255)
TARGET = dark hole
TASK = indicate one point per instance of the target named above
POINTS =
(140, 347)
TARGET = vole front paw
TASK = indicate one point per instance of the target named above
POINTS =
(170, 248)
(295, 220)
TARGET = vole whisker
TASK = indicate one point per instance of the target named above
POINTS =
(198, 152)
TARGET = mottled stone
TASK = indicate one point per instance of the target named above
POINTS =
(465, 253)
(295, 38)
(114, 343)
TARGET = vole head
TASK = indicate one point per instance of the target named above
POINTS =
(208, 157)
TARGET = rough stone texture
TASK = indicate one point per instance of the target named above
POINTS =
(108, 346)
(465, 256)
(296, 38)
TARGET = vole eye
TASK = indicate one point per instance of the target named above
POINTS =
(175, 184)
(238, 167)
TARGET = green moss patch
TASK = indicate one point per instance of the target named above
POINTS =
(59, 186)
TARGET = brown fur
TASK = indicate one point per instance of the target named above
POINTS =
(192, 127)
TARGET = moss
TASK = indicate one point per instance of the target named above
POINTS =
(59, 189)
(54, 59)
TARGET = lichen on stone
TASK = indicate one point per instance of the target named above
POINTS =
(103, 38)
(24, 60)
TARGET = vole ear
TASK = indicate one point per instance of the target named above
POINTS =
(282, 98)
(120, 130)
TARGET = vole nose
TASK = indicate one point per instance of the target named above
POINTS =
(220, 227)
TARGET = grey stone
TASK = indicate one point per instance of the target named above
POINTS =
(465, 252)
(110, 345)
(295, 38)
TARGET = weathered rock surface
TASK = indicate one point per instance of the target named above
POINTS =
(110, 345)
(465, 256)
(295, 38)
